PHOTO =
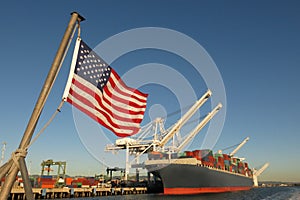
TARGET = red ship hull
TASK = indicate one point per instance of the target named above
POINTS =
(181, 190)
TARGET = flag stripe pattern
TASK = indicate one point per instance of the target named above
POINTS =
(98, 91)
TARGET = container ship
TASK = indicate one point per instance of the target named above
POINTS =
(177, 171)
(199, 171)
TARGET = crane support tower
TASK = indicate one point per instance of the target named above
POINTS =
(257, 173)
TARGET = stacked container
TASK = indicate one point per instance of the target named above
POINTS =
(181, 155)
(197, 154)
(241, 168)
(227, 161)
(189, 154)
(46, 182)
(155, 155)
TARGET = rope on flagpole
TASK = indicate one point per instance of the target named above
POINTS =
(23, 152)
(47, 124)
(16, 155)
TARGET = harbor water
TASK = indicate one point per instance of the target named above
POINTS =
(272, 193)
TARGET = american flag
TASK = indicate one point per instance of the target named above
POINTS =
(98, 91)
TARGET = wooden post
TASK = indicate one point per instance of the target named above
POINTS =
(12, 173)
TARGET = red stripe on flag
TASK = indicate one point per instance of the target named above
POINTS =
(100, 99)
(108, 113)
(126, 87)
(120, 134)
(116, 98)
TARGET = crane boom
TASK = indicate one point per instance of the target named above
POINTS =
(238, 147)
(261, 170)
(200, 126)
(185, 118)
(256, 173)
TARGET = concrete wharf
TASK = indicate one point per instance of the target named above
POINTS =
(54, 193)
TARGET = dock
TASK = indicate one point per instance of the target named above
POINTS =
(55, 193)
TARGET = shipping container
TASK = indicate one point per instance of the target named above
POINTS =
(189, 153)
(68, 181)
(155, 155)
(181, 154)
(216, 155)
(206, 152)
(174, 155)
(226, 157)
(220, 161)
(197, 153)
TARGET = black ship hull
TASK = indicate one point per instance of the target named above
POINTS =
(193, 179)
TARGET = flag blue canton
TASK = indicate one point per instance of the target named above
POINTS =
(91, 67)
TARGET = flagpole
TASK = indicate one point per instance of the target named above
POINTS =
(5, 167)
(19, 156)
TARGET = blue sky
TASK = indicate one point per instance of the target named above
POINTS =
(255, 46)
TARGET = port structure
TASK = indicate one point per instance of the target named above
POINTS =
(109, 171)
(161, 137)
(61, 170)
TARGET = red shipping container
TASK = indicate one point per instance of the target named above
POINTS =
(211, 159)
(68, 181)
(197, 153)
(226, 157)
(189, 153)
(221, 160)
(220, 165)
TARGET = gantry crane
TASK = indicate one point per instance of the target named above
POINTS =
(61, 170)
(140, 146)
